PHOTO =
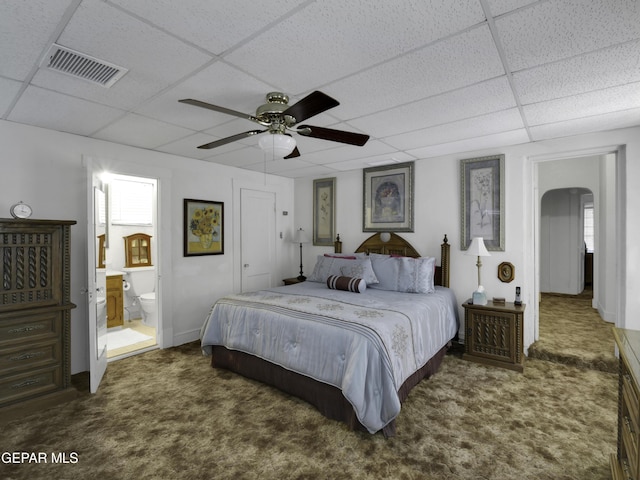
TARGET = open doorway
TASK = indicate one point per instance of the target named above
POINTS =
(129, 254)
(567, 241)
(576, 258)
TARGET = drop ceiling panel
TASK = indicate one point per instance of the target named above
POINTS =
(490, 96)
(610, 121)
(140, 131)
(214, 26)
(584, 105)
(60, 112)
(606, 68)
(340, 152)
(242, 157)
(570, 27)
(154, 58)
(497, 122)
(218, 84)
(487, 142)
(421, 78)
(187, 146)
(395, 82)
(500, 7)
(322, 46)
(8, 91)
(27, 29)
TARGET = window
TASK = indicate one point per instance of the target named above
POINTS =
(131, 201)
(137, 249)
(588, 227)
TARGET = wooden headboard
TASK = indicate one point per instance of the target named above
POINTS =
(396, 245)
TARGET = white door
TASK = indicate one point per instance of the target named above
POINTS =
(96, 281)
(257, 237)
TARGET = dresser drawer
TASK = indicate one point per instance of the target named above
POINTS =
(31, 327)
(29, 356)
(20, 386)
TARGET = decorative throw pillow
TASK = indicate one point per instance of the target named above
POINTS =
(348, 284)
(416, 275)
(360, 269)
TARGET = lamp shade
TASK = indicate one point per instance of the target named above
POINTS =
(477, 248)
(300, 236)
(278, 144)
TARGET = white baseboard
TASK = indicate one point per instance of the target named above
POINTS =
(186, 337)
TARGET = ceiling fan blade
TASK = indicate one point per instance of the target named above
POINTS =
(217, 108)
(295, 153)
(312, 104)
(232, 138)
(351, 138)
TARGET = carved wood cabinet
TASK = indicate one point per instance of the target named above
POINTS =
(494, 334)
(625, 463)
(35, 312)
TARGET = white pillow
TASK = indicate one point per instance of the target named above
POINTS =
(360, 269)
(328, 265)
(404, 274)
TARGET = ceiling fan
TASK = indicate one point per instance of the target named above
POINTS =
(279, 118)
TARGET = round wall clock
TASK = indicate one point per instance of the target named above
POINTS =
(506, 272)
(20, 210)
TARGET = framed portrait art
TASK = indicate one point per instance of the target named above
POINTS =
(388, 198)
(324, 211)
(203, 227)
(482, 202)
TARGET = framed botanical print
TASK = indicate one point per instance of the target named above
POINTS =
(324, 211)
(388, 198)
(203, 227)
(482, 202)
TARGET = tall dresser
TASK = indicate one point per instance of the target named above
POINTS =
(35, 313)
(625, 463)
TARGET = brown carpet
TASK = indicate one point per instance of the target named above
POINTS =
(572, 332)
(167, 414)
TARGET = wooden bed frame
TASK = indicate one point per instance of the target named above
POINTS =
(328, 399)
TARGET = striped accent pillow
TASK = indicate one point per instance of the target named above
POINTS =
(349, 284)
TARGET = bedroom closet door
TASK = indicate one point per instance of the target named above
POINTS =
(258, 233)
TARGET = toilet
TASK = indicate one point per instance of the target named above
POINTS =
(142, 281)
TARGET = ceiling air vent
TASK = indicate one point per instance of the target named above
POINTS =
(83, 66)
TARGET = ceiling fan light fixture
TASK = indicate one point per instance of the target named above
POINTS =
(278, 144)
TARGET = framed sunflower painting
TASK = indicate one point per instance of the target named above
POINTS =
(203, 227)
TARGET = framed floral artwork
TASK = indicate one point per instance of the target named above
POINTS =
(388, 198)
(324, 211)
(203, 227)
(482, 202)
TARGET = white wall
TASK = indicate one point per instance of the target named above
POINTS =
(437, 208)
(45, 169)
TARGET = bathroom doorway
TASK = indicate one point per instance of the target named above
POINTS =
(129, 250)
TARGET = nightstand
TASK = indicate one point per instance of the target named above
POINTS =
(292, 281)
(494, 334)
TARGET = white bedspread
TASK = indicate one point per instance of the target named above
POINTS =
(367, 344)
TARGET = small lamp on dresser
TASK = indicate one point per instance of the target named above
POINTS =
(478, 249)
(301, 237)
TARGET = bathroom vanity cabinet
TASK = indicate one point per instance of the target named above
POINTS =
(35, 313)
(115, 301)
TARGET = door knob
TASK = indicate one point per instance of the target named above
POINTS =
(246, 265)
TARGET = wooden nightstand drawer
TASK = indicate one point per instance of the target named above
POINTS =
(291, 281)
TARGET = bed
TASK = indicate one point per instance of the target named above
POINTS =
(355, 350)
